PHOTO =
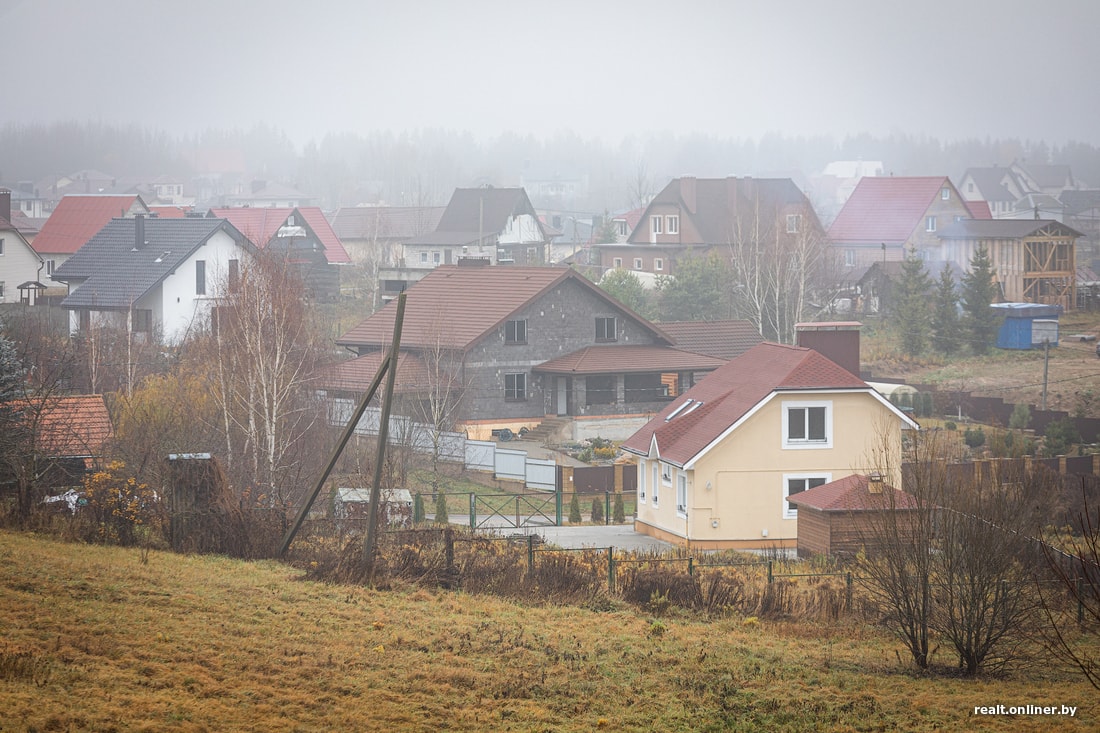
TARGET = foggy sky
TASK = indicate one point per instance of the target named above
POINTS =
(951, 69)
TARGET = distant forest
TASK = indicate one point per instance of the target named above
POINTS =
(422, 167)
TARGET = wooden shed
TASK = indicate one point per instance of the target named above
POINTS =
(837, 518)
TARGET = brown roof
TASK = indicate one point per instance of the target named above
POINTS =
(454, 306)
(730, 392)
(620, 359)
(853, 494)
(356, 375)
(721, 339)
(73, 426)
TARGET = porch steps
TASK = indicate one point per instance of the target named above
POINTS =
(551, 430)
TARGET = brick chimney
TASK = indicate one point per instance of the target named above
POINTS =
(837, 341)
(5, 204)
(687, 192)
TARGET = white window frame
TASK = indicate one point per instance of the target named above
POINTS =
(637, 263)
(672, 224)
(620, 227)
(658, 264)
(794, 222)
(642, 468)
(806, 443)
(930, 224)
(681, 495)
(424, 257)
(437, 258)
(617, 262)
(656, 483)
(656, 224)
(849, 258)
(945, 193)
(788, 511)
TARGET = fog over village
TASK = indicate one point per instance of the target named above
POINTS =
(483, 365)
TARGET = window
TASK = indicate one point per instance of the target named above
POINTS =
(49, 267)
(794, 221)
(515, 387)
(1, 245)
(930, 224)
(234, 273)
(945, 193)
(658, 264)
(435, 258)
(423, 258)
(672, 224)
(666, 474)
(655, 224)
(796, 484)
(617, 262)
(970, 187)
(605, 328)
(681, 494)
(849, 258)
(200, 277)
(1, 289)
(641, 481)
(620, 227)
(141, 320)
(807, 425)
(637, 263)
(515, 332)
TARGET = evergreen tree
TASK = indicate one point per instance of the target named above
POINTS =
(978, 292)
(597, 510)
(911, 311)
(575, 509)
(625, 287)
(441, 515)
(698, 291)
(946, 330)
(618, 511)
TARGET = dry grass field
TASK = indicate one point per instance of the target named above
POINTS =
(1014, 376)
(96, 640)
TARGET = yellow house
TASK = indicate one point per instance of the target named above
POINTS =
(716, 466)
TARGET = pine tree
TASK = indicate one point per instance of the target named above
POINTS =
(618, 511)
(441, 515)
(575, 509)
(911, 312)
(597, 510)
(946, 330)
(978, 293)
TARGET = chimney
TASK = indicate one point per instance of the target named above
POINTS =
(837, 341)
(5, 205)
(139, 232)
(687, 192)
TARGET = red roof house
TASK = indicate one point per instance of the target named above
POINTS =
(79, 217)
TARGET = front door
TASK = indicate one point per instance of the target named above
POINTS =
(565, 394)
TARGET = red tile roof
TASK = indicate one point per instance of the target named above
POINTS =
(73, 426)
(170, 212)
(721, 339)
(979, 209)
(355, 375)
(886, 209)
(454, 306)
(852, 494)
(261, 224)
(730, 392)
(621, 359)
(78, 218)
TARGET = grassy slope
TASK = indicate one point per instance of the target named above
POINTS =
(95, 640)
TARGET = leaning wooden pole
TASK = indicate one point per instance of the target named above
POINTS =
(349, 430)
(371, 540)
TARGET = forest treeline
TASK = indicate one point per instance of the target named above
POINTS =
(423, 166)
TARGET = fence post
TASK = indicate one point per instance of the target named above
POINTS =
(610, 569)
(691, 566)
(557, 507)
(530, 553)
(418, 509)
(449, 547)
(473, 510)
(517, 510)
(848, 597)
(769, 572)
(607, 507)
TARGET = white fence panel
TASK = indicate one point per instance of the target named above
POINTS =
(511, 464)
(480, 455)
(542, 474)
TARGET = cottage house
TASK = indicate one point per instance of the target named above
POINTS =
(696, 214)
(20, 266)
(522, 343)
(375, 238)
(302, 234)
(76, 219)
(717, 465)
(887, 217)
(151, 277)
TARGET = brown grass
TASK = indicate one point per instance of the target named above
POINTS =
(96, 640)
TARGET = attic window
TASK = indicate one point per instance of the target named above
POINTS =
(679, 409)
(162, 257)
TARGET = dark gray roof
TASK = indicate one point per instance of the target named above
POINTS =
(1002, 228)
(989, 183)
(116, 273)
(1078, 201)
(474, 210)
(385, 222)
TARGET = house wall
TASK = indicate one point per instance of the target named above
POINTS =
(947, 212)
(560, 322)
(521, 229)
(18, 264)
(175, 304)
(748, 469)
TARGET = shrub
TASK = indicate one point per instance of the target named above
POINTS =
(974, 438)
(597, 510)
(441, 514)
(949, 425)
(575, 509)
(618, 512)
(117, 505)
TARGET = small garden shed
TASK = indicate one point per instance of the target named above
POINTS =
(1027, 325)
(838, 518)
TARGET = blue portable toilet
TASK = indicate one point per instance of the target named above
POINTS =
(1027, 325)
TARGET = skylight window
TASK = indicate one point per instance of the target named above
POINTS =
(693, 408)
(680, 409)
